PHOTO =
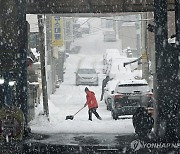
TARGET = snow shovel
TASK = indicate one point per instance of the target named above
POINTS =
(71, 117)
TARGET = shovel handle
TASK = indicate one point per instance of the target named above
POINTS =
(79, 110)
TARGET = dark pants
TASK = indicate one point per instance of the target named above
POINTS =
(93, 110)
(102, 94)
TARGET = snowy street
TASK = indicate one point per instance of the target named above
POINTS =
(89, 77)
(69, 98)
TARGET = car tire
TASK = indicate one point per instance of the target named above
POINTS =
(109, 108)
(114, 115)
(109, 104)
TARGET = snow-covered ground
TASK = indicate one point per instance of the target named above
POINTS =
(69, 98)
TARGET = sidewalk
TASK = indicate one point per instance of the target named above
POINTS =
(78, 143)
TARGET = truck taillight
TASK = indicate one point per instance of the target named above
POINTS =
(118, 96)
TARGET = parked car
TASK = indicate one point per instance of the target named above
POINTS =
(86, 76)
(129, 95)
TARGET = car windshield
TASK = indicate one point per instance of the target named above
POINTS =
(86, 71)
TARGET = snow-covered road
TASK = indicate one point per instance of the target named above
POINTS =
(68, 99)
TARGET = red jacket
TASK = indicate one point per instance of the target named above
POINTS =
(91, 100)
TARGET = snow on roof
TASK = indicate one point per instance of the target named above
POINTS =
(33, 21)
(112, 84)
(172, 40)
(35, 53)
(32, 60)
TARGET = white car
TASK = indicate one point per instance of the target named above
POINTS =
(86, 76)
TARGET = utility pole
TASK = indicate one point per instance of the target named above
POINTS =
(42, 60)
(145, 66)
(167, 65)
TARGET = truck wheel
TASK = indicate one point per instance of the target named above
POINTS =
(114, 115)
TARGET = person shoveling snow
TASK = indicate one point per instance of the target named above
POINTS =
(92, 104)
